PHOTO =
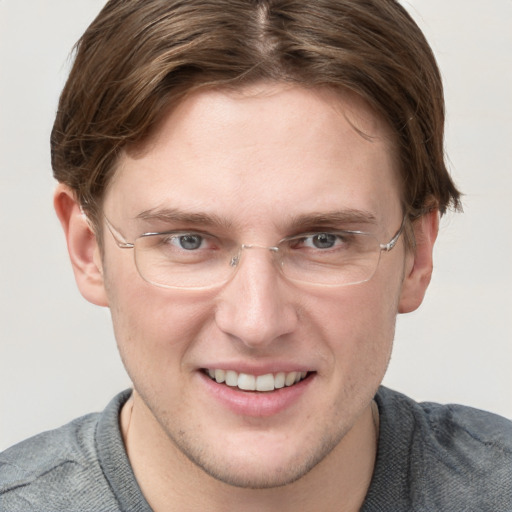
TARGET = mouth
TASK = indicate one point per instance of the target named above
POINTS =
(263, 383)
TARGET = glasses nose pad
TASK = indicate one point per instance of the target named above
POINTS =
(235, 260)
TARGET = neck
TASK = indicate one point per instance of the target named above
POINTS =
(170, 481)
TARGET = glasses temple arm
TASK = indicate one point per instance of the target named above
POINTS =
(394, 240)
(117, 236)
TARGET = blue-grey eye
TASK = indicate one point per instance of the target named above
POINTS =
(190, 242)
(324, 240)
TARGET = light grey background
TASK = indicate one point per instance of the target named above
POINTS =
(57, 352)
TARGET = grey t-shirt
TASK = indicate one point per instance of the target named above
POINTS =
(431, 458)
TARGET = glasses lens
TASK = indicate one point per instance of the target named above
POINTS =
(179, 261)
(333, 259)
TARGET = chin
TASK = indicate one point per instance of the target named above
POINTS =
(247, 475)
(262, 480)
(260, 464)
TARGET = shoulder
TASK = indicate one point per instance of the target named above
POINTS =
(67, 444)
(55, 471)
(456, 426)
(451, 428)
(451, 456)
(481, 426)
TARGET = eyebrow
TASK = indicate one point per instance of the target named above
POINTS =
(293, 223)
(174, 215)
(333, 218)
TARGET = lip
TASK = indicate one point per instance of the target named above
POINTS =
(253, 403)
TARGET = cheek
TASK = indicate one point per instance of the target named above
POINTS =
(154, 327)
(357, 327)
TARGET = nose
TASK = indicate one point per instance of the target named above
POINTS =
(256, 306)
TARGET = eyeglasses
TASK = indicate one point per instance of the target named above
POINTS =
(195, 259)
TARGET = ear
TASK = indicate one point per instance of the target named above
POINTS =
(83, 247)
(419, 262)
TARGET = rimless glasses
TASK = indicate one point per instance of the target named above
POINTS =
(193, 259)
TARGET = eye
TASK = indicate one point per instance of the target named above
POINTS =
(321, 241)
(176, 242)
(189, 242)
(180, 247)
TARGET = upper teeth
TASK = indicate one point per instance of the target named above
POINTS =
(248, 382)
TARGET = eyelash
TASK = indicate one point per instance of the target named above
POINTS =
(298, 239)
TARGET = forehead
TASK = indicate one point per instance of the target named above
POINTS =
(260, 154)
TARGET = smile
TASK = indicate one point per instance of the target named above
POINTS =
(247, 382)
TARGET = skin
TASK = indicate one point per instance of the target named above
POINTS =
(257, 159)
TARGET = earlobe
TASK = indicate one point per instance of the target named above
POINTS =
(420, 262)
(83, 247)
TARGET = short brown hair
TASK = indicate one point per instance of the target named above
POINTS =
(140, 56)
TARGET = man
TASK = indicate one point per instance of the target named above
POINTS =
(253, 188)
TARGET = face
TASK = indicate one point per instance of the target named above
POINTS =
(253, 166)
